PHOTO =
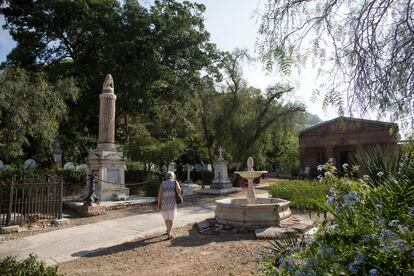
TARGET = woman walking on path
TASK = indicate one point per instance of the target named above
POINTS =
(167, 201)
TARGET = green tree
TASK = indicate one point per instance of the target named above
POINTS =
(240, 118)
(31, 110)
(371, 43)
(155, 55)
(145, 148)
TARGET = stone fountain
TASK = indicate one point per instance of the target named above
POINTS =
(252, 211)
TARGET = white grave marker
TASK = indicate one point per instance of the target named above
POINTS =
(68, 166)
(29, 164)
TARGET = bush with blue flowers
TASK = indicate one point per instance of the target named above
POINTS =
(371, 232)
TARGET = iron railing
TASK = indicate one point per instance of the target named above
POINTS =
(30, 201)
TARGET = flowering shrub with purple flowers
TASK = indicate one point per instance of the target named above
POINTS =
(371, 232)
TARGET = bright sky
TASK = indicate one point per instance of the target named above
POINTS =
(234, 24)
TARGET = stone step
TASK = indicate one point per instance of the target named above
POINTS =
(293, 226)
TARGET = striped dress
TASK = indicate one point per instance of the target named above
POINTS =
(168, 201)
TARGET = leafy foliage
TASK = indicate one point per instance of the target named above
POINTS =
(156, 56)
(24, 98)
(69, 176)
(145, 148)
(371, 45)
(377, 163)
(31, 266)
(246, 121)
(136, 174)
(371, 232)
(301, 193)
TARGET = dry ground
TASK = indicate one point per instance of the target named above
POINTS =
(188, 253)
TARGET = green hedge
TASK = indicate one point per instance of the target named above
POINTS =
(30, 266)
(301, 193)
(205, 177)
(135, 174)
(68, 176)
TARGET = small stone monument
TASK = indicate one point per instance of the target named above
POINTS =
(30, 164)
(221, 183)
(68, 166)
(221, 178)
(188, 168)
(106, 162)
(82, 167)
(188, 186)
(57, 154)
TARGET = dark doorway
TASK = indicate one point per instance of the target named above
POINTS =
(344, 158)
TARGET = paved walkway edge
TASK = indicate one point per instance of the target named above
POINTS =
(67, 244)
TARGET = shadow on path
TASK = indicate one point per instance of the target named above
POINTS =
(120, 247)
(193, 239)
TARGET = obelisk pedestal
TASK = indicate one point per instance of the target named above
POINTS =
(106, 163)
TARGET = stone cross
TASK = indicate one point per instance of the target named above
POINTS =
(188, 168)
(220, 155)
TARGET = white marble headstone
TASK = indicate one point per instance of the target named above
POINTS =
(29, 164)
(68, 166)
(82, 166)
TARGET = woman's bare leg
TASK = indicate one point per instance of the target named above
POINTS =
(169, 225)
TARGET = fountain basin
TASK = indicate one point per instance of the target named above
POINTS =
(250, 174)
(264, 212)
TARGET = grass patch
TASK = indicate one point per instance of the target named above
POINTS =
(301, 193)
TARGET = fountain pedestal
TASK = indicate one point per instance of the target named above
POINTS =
(265, 212)
(252, 211)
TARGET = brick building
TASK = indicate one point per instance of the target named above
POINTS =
(340, 137)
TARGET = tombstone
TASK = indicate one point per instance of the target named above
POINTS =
(221, 183)
(82, 166)
(221, 179)
(106, 162)
(30, 164)
(68, 166)
(7, 166)
(188, 168)
(57, 154)
(188, 186)
(172, 167)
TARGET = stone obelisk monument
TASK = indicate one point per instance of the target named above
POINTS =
(106, 163)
